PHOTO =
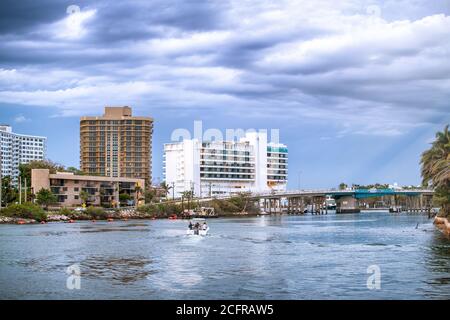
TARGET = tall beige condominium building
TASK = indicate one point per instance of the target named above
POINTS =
(117, 144)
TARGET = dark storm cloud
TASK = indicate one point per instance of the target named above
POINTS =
(137, 20)
(19, 17)
(318, 59)
(116, 24)
(241, 51)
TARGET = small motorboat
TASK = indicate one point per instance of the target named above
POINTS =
(201, 230)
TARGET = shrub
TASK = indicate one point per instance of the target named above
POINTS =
(148, 208)
(65, 212)
(106, 205)
(160, 210)
(224, 207)
(234, 205)
(26, 211)
(96, 213)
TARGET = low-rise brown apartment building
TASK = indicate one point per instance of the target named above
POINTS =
(101, 191)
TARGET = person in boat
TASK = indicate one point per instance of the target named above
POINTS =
(205, 226)
(190, 225)
(196, 228)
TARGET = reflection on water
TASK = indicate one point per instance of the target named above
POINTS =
(279, 257)
(114, 230)
(116, 269)
(134, 225)
(114, 227)
(438, 266)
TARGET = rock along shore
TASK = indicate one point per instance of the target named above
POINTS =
(443, 224)
(120, 215)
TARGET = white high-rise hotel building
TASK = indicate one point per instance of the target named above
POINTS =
(226, 167)
(17, 149)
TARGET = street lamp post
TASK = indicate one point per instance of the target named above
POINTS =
(299, 179)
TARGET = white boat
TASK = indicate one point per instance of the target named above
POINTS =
(201, 231)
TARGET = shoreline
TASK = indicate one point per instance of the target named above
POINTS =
(58, 218)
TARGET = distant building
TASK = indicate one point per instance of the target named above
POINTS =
(395, 186)
(117, 144)
(18, 149)
(101, 190)
(225, 167)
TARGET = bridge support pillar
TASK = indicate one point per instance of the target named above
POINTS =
(347, 204)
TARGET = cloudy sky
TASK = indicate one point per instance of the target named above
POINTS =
(357, 88)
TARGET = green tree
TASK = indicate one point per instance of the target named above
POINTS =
(124, 198)
(342, 186)
(138, 196)
(150, 195)
(84, 196)
(9, 193)
(165, 188)
(45, 197)
(25, 168)
(75, 171)
(436, 169)
(188, 195)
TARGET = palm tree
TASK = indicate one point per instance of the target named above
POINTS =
(166, 188)
(436, 169)
(150, 195)
(187, 195)
(137, 195)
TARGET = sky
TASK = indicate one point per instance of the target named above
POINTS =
(357, 89)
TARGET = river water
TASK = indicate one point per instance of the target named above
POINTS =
(277, 257)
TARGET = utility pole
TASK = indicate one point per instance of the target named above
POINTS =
(20, 190)
(173, 190)
(26, 189)
(192, 189)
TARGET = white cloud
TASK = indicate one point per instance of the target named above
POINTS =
(73, 26)
(20, 118)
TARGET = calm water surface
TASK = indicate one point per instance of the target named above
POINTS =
(287, 257)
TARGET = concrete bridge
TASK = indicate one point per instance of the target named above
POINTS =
(347, 201)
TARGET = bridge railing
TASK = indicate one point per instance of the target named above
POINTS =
(336, 191)
(321, 192)
(291, 192)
